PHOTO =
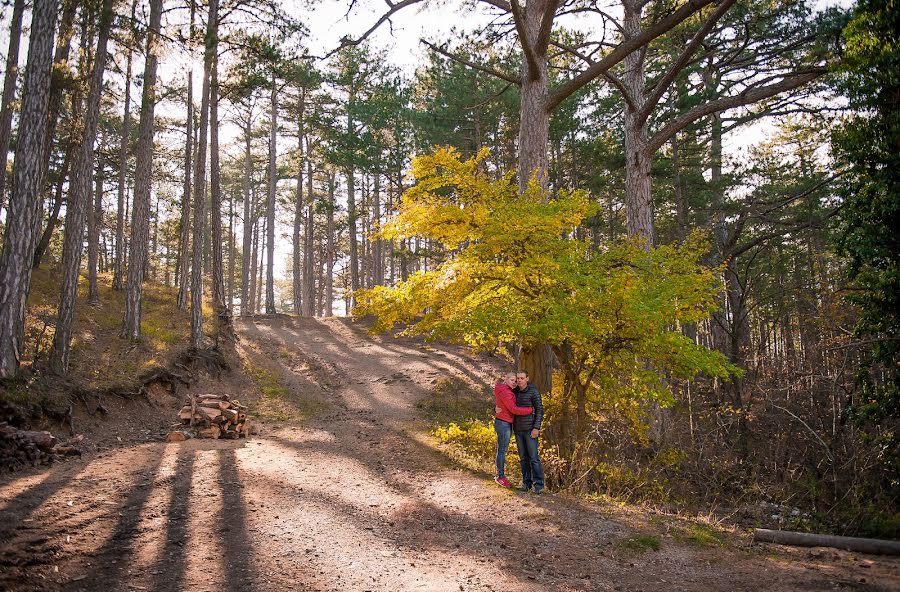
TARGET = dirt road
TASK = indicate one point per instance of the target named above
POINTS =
(354, 497)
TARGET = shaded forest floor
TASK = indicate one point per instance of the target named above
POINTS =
(343, 489)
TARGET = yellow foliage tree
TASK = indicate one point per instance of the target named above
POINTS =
(516, 272)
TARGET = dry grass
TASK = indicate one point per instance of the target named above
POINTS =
(100, 358)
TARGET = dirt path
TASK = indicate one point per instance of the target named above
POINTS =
(353, 498)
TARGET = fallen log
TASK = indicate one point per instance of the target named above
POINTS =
(804, 539)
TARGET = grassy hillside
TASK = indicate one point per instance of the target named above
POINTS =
(100, 360)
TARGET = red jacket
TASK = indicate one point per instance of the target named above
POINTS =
(505, 403)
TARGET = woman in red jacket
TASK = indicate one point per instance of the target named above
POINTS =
(504, 409)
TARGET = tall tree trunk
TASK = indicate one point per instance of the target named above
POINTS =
(329, 255)
(58, 82)
(78, 202)
(215, 188)
(200, 185)
(533, 158)
(260, 266)
(534, 124)
(9, 91)
(270, 202)
(229, 296)
(297, 271)
(252, 300)
(351, 208)
(184, 264)
(248, 226)
(26, 202)
(94, 220)
(140, 211)
(308, 260)
(638, 207)
(119, 270)
(53, 218)
(377, 248)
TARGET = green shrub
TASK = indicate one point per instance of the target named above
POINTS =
(640, 543)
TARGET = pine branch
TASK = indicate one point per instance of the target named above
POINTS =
(746, 97)
(501, 75)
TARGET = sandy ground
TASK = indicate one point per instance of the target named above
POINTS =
(353, 498)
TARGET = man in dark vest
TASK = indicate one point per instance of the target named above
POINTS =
(527, 428)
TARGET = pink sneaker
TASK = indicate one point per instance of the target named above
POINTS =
(502, 482)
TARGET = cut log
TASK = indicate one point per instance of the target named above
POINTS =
(803, 539)
(209, 397)
(230, 414)
(176, 437)
(215, 404)
(210, 413)
(212, 431)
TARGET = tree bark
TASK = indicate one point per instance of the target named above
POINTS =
(248, 225)
(231, 255)
(53, 218)
(806, 539)
(308, 259)
(185, 238)
(200, 185)
(58, 83)
(9, 91)
(252, 300)
(78, 202)
(377, 245)
(94, 220)
(329, 251)
(534, 123)
(638, 206)
(140, 211)
(297, 271)
(215, 188)
(26, 203)
(119, 269)
(270, 201)
(351, 206)
(534, 142)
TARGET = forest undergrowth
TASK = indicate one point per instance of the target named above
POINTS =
(710, 470)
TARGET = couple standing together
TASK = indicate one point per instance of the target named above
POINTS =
(518, 410)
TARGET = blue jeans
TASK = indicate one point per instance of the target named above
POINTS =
(532, 471)
(504, 434)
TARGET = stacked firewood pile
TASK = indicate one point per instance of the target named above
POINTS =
(215, 416)
(20, 448)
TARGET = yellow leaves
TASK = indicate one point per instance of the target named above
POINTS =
(516, 272)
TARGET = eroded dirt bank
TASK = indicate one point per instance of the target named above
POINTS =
(352, 498)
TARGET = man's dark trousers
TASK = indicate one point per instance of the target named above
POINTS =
(532, 471)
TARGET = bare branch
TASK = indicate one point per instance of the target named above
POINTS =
(504, 6)
(622, 50)
(490, 97)
(747, 97)
(394, 8)
(501, 75)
